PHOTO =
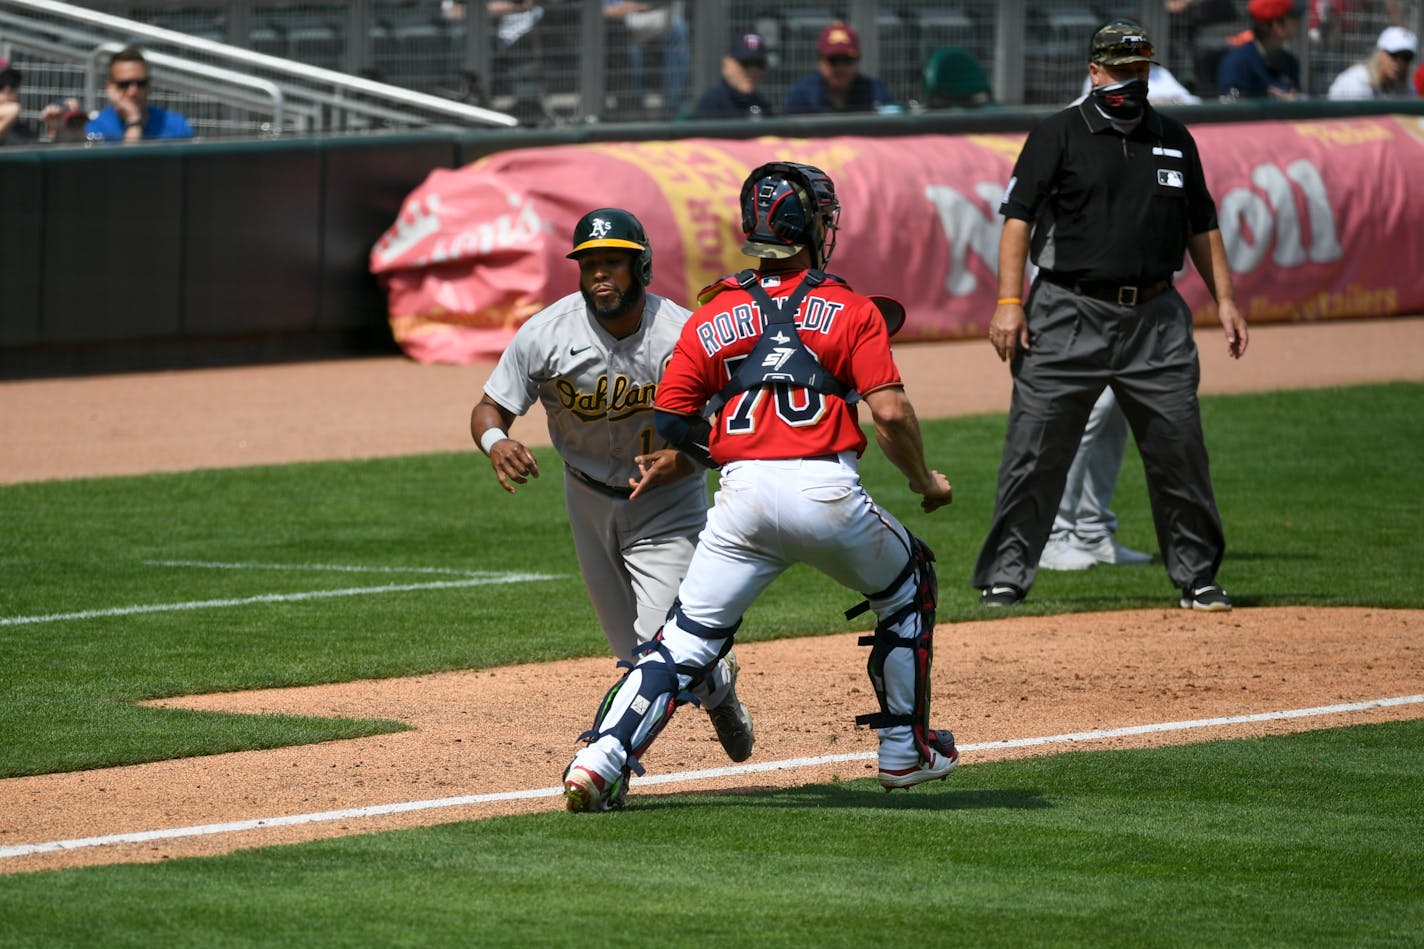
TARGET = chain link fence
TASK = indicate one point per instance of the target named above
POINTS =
(568, 62)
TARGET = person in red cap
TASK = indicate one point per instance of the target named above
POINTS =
(838, 85)
(1263, 68)
(1419, 80)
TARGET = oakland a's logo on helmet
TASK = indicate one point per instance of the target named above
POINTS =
(615, 229)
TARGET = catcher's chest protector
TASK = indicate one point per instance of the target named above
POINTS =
(779, 355)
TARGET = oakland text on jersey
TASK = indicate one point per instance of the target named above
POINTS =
(745, 320)
(625, 398)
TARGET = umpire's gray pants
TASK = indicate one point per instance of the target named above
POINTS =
(1083, 510)
(1149, 357)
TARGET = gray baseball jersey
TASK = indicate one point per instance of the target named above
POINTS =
(597, 394)
(597, 391)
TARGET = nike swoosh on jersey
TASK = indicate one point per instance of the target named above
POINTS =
(574, 351)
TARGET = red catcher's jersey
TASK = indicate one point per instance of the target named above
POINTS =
(843, 329)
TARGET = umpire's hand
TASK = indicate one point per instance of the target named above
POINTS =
(1008, 330)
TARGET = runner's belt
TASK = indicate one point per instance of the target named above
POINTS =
(599, 486)
(1110, 292)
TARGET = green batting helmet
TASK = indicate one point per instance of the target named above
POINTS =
(619, 230)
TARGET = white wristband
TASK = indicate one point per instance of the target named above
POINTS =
(491, 436)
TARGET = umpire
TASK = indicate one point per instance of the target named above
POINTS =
(1107, 195)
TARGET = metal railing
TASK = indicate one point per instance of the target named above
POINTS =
(275, 94)
(573, 65)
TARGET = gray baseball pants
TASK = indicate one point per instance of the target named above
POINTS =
(1083, 510)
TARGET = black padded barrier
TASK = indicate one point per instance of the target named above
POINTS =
(170, 255)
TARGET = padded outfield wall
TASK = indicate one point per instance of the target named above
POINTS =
(189, 254)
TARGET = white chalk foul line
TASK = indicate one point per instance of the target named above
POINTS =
(303, 567)
(25, 850)
(472, 581)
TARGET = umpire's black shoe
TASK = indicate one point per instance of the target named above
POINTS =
(1207, 597)
(1001, 594)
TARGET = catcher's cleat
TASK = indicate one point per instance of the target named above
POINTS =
(731, 719)
(585, 792)
(734, 727)
(944, 758)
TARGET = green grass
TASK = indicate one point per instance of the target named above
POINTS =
(1309, 839)
(1319, 492)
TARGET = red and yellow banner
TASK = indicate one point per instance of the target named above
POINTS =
(1320, 219)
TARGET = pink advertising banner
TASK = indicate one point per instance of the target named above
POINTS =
(1321, 220)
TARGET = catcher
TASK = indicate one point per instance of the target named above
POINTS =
(780, 356)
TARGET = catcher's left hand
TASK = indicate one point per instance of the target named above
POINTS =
(660, 467)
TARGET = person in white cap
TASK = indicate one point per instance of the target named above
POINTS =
(1385, 75)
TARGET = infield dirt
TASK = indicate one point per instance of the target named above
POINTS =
(1015, 677)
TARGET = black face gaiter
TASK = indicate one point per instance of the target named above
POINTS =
(1122, 101)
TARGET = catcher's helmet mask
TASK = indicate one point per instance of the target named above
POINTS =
(782, 202)
(615, 229)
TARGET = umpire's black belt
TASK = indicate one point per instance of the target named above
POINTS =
(599, 486)
(1110, 292)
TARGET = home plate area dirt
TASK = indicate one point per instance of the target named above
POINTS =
(473, 733)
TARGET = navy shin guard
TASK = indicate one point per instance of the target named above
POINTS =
(911, 627)
(636, 709)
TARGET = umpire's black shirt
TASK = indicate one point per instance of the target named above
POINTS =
(1108, 207)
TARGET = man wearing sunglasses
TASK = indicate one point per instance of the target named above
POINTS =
(129, 117)
(838, 85)
(1107, 196)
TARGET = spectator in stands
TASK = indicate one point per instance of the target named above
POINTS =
(1385, 75)
(1204, 29)
(736, 96)
(838, 85)
(953, 79)
(657, 27)
(513, 19)
(1263, 68)
(1419, 80)
(9, 100)
(129, 117)
(63, 122)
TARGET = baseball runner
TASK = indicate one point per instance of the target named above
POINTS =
(593, 360)
(781, 355)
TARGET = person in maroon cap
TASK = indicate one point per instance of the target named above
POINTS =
(736, 96)
(838, 85)
(1263, 68)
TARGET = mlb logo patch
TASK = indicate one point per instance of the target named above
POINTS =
(1170, 178)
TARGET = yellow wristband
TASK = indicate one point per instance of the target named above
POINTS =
(1006, 300)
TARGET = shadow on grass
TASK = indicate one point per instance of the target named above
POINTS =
(941, 797)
